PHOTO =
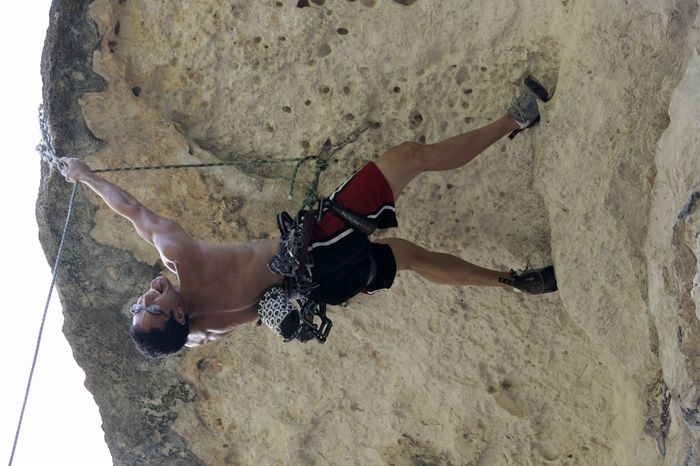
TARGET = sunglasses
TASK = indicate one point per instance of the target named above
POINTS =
(152, 309)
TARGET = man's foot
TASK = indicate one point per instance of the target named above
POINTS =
(524, 109)
(537, 281)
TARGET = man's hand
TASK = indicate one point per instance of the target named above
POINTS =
(73, 169)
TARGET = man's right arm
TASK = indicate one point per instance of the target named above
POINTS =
(165, 234)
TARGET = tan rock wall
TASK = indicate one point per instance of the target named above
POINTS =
(423, 374)
(672, 251)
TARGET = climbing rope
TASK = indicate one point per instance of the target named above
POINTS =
(324, 155)
(45, 149)
(43, 319)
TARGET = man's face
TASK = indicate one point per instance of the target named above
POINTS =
(162, 294)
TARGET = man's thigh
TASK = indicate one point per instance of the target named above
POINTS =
(405, 252)
(401, 164)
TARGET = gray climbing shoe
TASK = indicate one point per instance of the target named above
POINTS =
(524, 109)
(536, 281)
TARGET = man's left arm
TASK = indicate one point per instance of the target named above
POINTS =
(165, 234)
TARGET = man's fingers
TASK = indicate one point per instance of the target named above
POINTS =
(62, 166)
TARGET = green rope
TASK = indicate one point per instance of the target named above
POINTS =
(321, 160)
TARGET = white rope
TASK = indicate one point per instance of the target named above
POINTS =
(43, 319)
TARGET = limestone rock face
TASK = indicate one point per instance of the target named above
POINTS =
(607, 188)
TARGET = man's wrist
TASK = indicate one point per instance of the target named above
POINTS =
(86, 176)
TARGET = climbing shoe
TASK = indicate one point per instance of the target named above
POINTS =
(524, 109)
(536, 281)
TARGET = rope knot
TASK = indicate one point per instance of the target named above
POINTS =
(321, 164)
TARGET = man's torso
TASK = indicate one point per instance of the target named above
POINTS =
(222, 285)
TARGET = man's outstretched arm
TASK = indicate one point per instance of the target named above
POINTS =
(166, 235)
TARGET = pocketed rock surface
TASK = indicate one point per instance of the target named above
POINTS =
(607, 188)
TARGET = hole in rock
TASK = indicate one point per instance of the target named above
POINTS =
(324, 50)
(415, 119)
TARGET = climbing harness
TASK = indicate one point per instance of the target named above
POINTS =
(293, 262)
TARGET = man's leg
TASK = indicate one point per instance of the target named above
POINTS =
(404, 162)
(442, 268)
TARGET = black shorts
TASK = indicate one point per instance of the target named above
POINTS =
(346, 262)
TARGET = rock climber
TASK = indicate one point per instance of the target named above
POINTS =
(219, 286)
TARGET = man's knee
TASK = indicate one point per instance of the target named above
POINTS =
(402, 163)
(408, 255)
(407, 154)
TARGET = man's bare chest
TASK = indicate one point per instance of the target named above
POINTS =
(228, 281)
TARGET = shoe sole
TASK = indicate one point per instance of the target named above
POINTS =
(549, 281)
(537, 88)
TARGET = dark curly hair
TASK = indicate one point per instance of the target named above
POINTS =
(161, 342)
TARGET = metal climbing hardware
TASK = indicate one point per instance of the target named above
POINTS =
(45, 147)
(293, 262)
(289, 322)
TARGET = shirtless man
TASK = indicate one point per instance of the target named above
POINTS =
(220, 284)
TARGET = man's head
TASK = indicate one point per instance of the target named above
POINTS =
(160, 325)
